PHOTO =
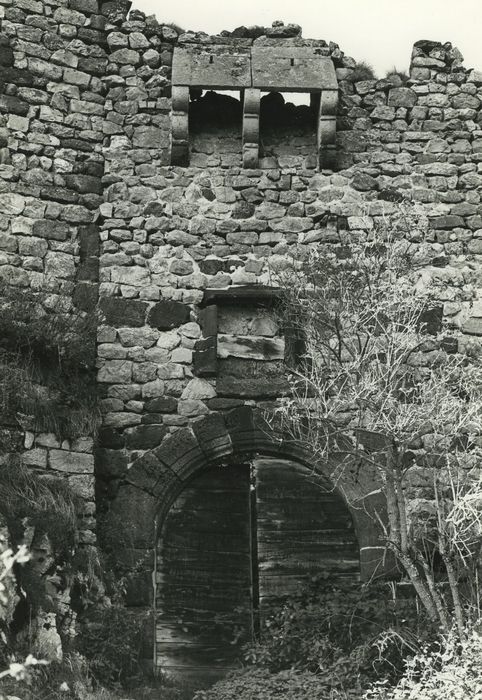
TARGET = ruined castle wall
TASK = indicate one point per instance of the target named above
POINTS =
(169, 232)
(52, 108)
(90, 205)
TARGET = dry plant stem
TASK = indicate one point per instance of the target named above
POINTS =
(451, 576)
(395, 543)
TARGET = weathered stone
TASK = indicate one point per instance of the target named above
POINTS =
(125, 57)
(472, 326)
(137, 40)
(447, 221)
(168, 314)
(123, 312)
(149, 137)
(364, 182)
(162, 404)
(153, 389)
(115, 372)
(198, 389)
(59, 265)
(117, 40)
(133, 276)
(83, 183)
(145, 337)
(402, 97)
(192, 408)
(151, 57)
(242, 210)
(11, 204)
(475, 246)
(10, 104)
(145, 437)
(74, 462)
(292, 224)
(62, 15)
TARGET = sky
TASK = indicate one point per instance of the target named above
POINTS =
(381, 32)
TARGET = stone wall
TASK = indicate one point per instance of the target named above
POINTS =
(91, 210)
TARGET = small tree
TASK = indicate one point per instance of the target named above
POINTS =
(380, 382)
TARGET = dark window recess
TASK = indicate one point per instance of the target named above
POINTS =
(215, 121)
(288, 124)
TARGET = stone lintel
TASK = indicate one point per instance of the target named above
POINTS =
(252, 294)
(216, 67)
(294, 69)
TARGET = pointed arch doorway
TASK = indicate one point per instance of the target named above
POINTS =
(235, 541)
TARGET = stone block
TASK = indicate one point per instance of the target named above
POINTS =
(144, 437)
(115, 372)
(132, 276)
(125, 57)
(9, 104)
(72, 462)
(472, 326)
(402, 97)
(153, 389)
(219, 67)
(122, 419)
(62, 15)
(47, 228)
(150, 137)
(35, 458)
(59, 265)
(11, 204)
(145, 337)
(84, 184)
(181, 453)
(198, 389)
(168, 314)
(161, 404)
(447, 221)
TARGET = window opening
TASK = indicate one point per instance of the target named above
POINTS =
(215, 124)
(288, 125)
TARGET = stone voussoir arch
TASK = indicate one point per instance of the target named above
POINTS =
(156, 479)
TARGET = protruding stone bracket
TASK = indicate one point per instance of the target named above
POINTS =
(326, 137)
(180, 126)
(251, 104)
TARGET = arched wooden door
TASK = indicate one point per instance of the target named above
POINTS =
(235, 541)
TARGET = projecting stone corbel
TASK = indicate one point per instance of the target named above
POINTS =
(251, 127)
(180, 126)
(327, 129)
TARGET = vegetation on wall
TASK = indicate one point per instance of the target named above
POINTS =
(362, 71)
(47, 351)
(382, 387)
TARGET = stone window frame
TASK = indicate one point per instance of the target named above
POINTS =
(205, 355)
(251, 71)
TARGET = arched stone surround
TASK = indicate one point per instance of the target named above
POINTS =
(157, 477)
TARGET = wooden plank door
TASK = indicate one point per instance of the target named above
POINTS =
(304, 529)
(204, 610)
(236, 541)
